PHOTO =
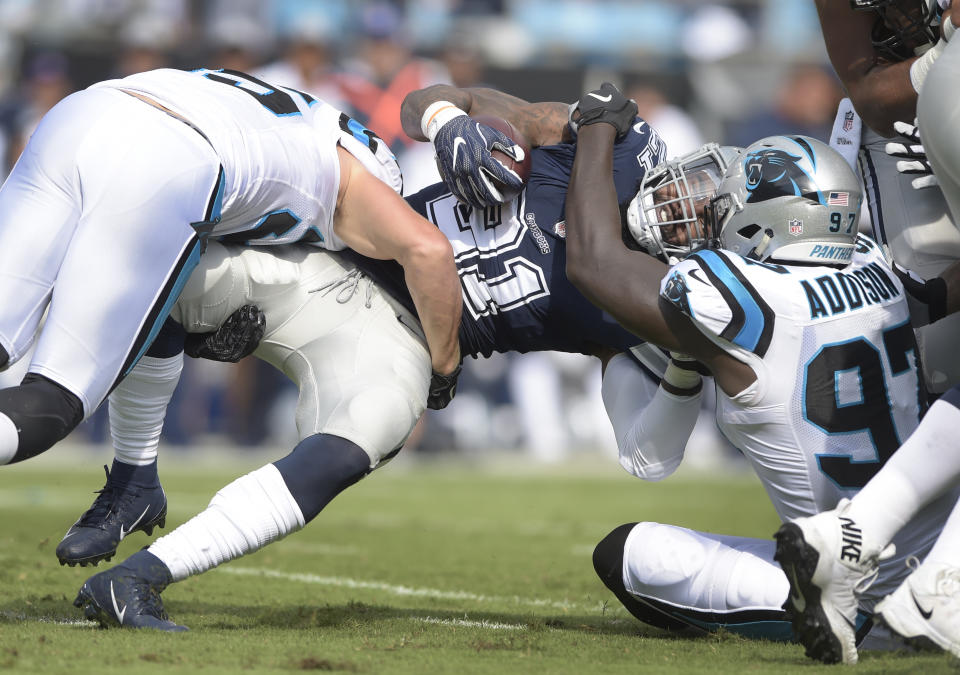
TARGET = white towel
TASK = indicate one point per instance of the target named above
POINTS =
(845, 137)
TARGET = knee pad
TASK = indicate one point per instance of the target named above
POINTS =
(608, 563)
(319, 468)
(608, 557)
(43, 412)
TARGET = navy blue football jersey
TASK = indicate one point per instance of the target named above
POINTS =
(512, 258)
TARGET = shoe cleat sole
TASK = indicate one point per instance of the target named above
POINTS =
(799, 561)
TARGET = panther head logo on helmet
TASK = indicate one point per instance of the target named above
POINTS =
(772, 173)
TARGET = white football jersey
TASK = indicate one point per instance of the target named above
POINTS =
(837, 387)
(277, 147)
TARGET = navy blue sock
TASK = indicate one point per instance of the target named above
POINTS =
(320, 468)
(952, 396)
(150, 568)
(142, 476)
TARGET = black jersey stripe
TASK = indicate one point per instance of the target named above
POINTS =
(869, 171)
(161, 307)
(752, 322)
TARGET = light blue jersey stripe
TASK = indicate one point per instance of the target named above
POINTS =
(754, 321)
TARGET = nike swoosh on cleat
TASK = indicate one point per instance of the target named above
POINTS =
(605, 99)
(457, 142)
(124, 533)
(795, 597)
(924, 613)
(116, 610)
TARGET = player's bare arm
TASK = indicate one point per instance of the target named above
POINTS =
(375, 221)
(540, 123)
(880, 89)
(623, 282)
(626, 283)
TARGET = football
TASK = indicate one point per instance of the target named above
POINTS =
(521, 168)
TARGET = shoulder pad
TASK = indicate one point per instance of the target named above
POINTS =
(714, 291)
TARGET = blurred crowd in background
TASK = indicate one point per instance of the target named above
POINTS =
(730, 71)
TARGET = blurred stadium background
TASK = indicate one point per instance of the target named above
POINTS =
(730, 71)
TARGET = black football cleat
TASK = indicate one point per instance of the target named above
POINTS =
(118, 510)
(128, 595)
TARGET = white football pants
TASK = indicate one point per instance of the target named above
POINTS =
(95, 228)
(358, 357)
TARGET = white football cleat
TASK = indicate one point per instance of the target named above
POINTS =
(925, 609)
(825, 562)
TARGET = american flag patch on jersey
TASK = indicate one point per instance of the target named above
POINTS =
(838, 199)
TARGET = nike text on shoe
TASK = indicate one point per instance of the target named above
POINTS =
(128, 595)
(822, 558)
(118, 510)
(925, 608)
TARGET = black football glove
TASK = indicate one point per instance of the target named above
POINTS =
(442, 389)
(239, 336)
(926, 298)
(605, 104)
(912, 156)
(469, 171)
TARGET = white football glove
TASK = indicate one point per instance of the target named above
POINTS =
(912, 156)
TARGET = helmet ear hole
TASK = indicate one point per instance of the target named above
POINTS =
(748, 231)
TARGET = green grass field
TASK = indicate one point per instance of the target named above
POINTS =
(424, 567)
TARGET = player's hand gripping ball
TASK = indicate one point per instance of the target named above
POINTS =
(483, 160)
(607, 105)
(239, 336)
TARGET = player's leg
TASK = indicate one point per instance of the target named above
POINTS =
(831, 556)
(370, 362)
(138, 405)
(938, 115)
(917, 227)
(144, 179)
(40, 206)
(132, 499)
(925, 609)
(675, 578)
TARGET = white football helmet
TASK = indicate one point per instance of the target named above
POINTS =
(666, 217)
(791, 198)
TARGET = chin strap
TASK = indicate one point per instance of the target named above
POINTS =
(760, 249)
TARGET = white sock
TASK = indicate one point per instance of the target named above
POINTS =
(946, 550)
(922, 468)
(9, 439)
(243, 517)
(138, 405)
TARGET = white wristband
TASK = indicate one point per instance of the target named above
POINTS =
(947, 28)
(683, 379)
(920, 67)
(436, 115)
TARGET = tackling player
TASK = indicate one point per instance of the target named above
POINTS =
(805, 330)
(117, 193)
(337, 334)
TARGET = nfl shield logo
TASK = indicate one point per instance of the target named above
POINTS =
(848, 120)
(796, 226)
